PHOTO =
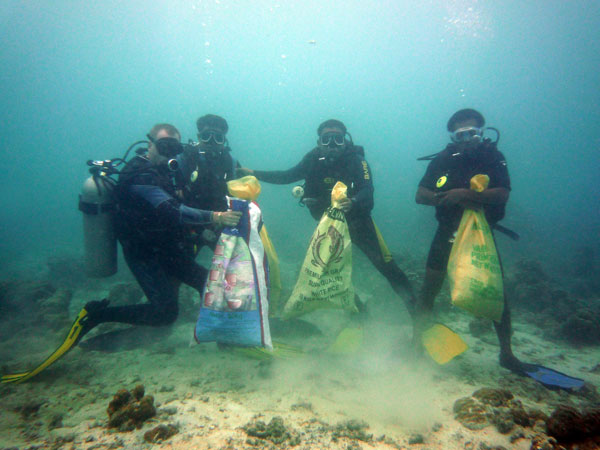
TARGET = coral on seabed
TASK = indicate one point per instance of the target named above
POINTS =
(493, 397)
(543, 442)
(128, 410)
(566, 428)
(470, 413)
(548, 305)
(568, 425)
(498, 407)
(160, 433)
(275, 431)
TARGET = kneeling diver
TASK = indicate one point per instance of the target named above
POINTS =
(151, 225)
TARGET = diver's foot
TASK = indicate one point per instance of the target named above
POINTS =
(91, 319)
(96, 305)
(512, 363)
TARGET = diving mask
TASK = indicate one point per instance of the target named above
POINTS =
(216, 136)
(330, 139)
(466, 135)
(169, 147)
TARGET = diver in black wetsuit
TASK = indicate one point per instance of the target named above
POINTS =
(445, 186)
(336, 158)
(151, 225)
(207, 166)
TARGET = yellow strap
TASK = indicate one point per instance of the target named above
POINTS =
(385, 251)
(13, 377)
(274, 274)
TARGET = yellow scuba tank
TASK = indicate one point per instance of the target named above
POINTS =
(97, 204)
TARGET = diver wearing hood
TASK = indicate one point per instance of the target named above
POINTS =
(337, 158)
(207, 167)
(446, 186)
(151, 223)
(215, 165)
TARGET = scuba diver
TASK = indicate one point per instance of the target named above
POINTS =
(337, 158)
(207, 166)
(151, 224)
(445, 186)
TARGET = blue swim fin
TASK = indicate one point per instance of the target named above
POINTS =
(550, 378)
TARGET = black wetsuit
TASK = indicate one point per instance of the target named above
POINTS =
(207, 174)
(151, 226)
(453, 169)
(351, 168)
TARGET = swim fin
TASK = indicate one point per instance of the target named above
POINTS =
(442, 344)
(280, 351)
(349, 341)
(79, 328)
(550, 378)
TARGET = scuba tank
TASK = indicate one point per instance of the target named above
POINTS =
(97, 204)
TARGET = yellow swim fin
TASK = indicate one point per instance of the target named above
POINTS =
(348, 341)
(280, 351)
(73, 336)
(442, 343)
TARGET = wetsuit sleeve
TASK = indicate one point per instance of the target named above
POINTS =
(296, 173)
(168, 208)
(193, 216)
(431, 174)
(499, 177)
(363, 188)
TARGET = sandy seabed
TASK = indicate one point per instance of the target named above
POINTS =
(210, 395)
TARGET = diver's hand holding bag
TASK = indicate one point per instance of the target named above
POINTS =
(474, 270)
(325, 280)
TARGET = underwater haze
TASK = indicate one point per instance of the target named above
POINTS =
(84, 80)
